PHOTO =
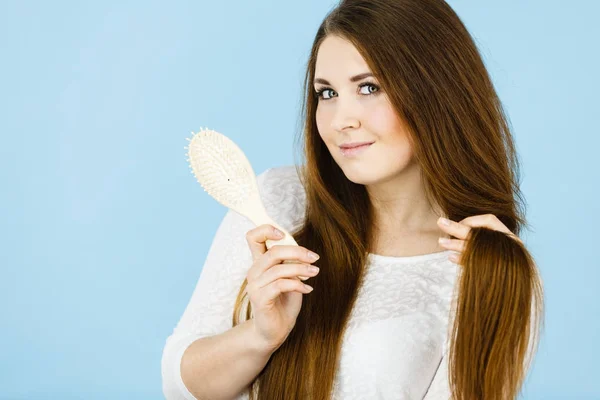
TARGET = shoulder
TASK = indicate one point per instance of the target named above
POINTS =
(283, 195)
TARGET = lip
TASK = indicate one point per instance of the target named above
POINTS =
(354, 144)
(356, 149)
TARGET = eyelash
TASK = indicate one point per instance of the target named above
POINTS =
(320, 91)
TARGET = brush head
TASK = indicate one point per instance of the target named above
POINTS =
(222, 169)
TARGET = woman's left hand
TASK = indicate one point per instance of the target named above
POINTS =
(461, 230)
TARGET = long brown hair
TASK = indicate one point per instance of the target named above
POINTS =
(429, 65)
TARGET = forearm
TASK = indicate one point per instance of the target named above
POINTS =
(222, 366)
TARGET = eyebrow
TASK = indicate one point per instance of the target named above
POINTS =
(353, 79)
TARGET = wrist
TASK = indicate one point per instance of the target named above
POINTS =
(258, 342)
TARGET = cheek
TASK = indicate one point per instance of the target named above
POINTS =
(383, 119)
(322, 121)
(393, 134)
(319, 120)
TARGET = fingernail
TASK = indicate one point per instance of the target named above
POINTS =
(444, 240)
(313, 256)
(278, 233)
(444, 221)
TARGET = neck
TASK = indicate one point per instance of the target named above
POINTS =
(401, 205)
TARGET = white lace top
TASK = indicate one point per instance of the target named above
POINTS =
(397, 334)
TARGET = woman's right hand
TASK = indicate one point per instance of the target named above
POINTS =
(274, 289)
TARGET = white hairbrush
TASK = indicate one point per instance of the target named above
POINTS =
(225, 173)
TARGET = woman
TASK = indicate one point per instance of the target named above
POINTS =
(395, 313)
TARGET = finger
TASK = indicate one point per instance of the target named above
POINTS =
(269, 293)
(257, 237)
(454, 257)
(282, 253)
(487, 221)
(452, 244)
(278, 254)
(455, 229)
(461, 229)
(285, 271)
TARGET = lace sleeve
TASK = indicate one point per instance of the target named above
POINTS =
(210, 309)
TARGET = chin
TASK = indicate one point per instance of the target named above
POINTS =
(358, 175)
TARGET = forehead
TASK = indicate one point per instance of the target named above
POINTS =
(338, 58)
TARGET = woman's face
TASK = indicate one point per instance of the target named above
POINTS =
(358, 111)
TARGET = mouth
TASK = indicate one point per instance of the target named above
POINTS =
(355, 149)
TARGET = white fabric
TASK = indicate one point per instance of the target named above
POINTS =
(397, 334)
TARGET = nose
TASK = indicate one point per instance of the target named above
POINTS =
(345, 115)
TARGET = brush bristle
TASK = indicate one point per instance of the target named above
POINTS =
(220, 167)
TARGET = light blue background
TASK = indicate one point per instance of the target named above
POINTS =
(104, 230)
